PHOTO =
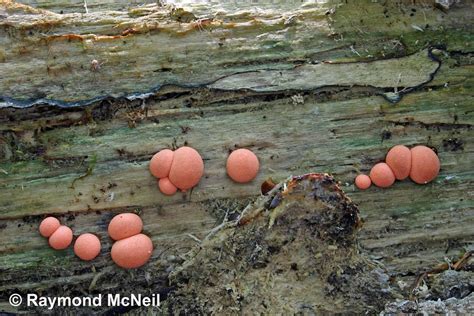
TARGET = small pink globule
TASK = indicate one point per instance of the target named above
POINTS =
(187, 168)
(242, 165)
(87, 246)
(48, 226)
(381, 175)
(160, 163)
(363, 182)
(61, 238)
(166, 187)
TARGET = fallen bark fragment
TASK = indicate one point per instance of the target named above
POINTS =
(297, 255)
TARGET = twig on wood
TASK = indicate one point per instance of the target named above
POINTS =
(97, 275)
(416, 27)
(89, 170)
(194, 238)
(461, 262)
(259, 206)
(441, 268)
(219, 227)
(354, 51)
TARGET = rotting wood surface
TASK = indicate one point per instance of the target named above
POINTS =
(166, 78)
(297, 255)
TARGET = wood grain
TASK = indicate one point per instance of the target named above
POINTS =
(86, 163)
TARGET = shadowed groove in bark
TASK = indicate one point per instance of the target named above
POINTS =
(385, 91)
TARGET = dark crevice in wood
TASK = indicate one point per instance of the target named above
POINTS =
(432, 126)
(146, 97)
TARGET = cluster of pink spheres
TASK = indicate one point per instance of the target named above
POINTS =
(420, 163)
(131, 249)
(86, 247)
(180, 169)
(183, 168)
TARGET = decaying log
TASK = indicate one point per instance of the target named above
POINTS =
(86, 98)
